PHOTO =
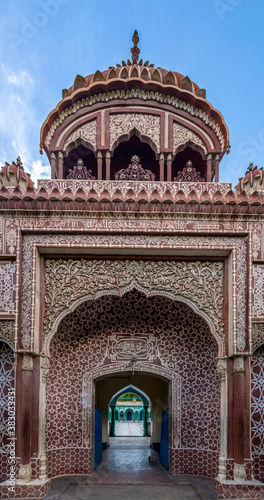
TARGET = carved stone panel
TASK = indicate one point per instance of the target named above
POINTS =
(257, 335)
(87, 132)
(71, 281)
(7, 331)
(258, 290)
(123, 123)
(182, 135)
(7, 287)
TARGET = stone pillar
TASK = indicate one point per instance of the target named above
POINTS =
(53, 164)
(99, 165)
(161, 166)
(25, 471)
(44, 367)
(221, 368)
(112, 426)
(107, 165)
(169, 163)
(145, 421)
(60, 165)
(239, 418)
(217, 160)
(209, 168)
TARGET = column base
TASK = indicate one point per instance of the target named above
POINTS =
(30, 491)
(25, 473)
(248, 490)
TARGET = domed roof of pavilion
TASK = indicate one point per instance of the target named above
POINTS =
(142, 80)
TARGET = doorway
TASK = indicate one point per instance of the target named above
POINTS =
(132, 416)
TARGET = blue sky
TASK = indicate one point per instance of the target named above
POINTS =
(44, 44)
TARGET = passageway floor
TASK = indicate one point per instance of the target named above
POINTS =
(126, 473)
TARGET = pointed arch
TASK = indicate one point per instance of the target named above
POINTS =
(133, 390)
(137, 133)
(120, 293)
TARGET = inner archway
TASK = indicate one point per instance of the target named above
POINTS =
(134, 392)
(130, 402)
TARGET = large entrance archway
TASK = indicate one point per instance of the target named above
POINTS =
(174, 345)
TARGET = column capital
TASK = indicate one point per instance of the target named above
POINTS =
(239, 364)
(169, 157)
(27, 362)
(99, 153)
(221, 367)
(161, 156)
(45, 366)
(60, 155)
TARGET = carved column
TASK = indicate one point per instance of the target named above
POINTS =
(99, 165)
(239, 418)
(60, 165)
(145, 421)
(169, 163)
(161, 166)
(53, 164)
(112, 427)
(107, 165)
(25, 471)
(221, 369)
(44, 367)
(209, 168)
(217, 160)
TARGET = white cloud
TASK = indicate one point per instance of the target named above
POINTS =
(18, 123)
(39, 171)
(19, 80)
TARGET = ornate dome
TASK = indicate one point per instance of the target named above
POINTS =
(164, 109)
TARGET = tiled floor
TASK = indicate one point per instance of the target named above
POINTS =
(126, 473)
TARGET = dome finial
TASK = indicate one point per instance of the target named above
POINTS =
(135, 50)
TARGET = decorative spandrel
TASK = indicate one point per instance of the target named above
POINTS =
(80, 172)
(189, 174)
(134, 172)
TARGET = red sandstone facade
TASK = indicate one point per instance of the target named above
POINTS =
(133, 239)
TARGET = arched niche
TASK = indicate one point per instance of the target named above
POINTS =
(130, 147)
(79, 151)
(186, 154)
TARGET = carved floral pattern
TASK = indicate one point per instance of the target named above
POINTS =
(87, 132)
(159, 242)
(182, 135)
(258, 290)
(141, 94)
(80, 172)
(7, 287)
(159, 187)
(7, 331)
(134, 171)
(189, 174)
(123, 123)
(67, 281)
(257, 335)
